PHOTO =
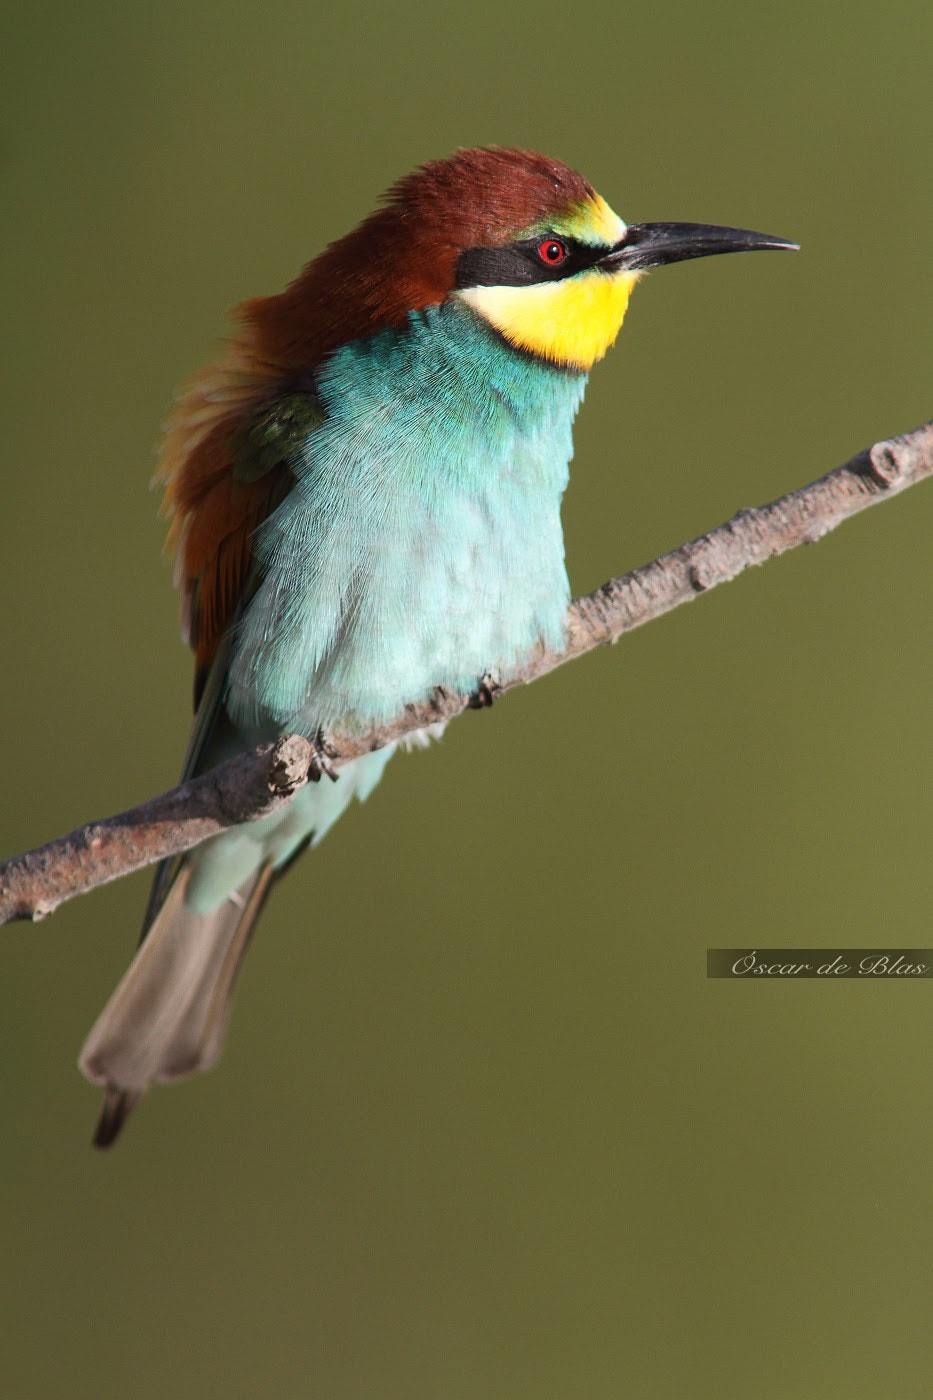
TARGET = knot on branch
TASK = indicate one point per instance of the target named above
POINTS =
(291, 761)
(887, 461)
(702, 572)
(899, 460)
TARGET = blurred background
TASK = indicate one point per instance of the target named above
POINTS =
(483, 1129)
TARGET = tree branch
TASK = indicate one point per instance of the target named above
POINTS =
(257, 783)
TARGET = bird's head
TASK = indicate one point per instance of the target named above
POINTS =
(523, 240)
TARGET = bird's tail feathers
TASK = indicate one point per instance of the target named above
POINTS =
(168, 1015)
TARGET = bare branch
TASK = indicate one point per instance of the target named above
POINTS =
(257, 783)
(254, 784)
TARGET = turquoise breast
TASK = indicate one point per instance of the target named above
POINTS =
(422, 543)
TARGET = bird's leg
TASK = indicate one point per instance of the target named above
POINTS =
(487, 690)
(321, 754)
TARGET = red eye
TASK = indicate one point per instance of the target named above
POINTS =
(551, 252)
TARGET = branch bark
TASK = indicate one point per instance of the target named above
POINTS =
(257, 783)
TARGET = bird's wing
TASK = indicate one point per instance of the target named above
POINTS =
(225, 462)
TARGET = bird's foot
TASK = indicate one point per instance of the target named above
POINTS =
(322, 754)
(488, 689)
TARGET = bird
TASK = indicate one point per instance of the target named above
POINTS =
(364, 496)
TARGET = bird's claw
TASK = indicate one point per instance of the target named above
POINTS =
(321, 755)
(487, 690)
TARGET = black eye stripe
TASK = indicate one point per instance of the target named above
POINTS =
(520, 264)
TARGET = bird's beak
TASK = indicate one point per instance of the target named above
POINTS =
(653, 245)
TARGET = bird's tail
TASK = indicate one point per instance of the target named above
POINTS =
(168, 1016)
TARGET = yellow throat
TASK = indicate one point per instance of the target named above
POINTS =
(571, 322)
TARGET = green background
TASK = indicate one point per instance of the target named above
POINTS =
(483, 1130)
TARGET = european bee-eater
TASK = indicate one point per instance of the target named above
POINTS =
(365, 501)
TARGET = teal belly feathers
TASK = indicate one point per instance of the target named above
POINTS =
(422, 541)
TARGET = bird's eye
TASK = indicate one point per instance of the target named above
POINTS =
(551, 251)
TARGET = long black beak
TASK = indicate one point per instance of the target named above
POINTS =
(653, 245)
